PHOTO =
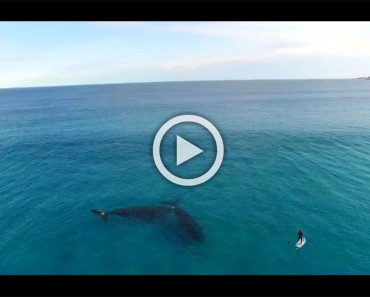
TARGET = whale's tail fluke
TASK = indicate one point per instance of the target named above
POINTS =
(103, 214)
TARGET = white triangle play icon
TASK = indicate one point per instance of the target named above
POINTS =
(185, 150)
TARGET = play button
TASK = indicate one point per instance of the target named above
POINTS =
(185, 150)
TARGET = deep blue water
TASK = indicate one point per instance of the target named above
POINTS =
(297, 155)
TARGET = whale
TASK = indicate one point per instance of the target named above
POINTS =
(185, 221)
(145, 213)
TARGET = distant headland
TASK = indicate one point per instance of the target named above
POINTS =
(367, 78)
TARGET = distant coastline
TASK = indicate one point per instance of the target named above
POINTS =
(177, 81)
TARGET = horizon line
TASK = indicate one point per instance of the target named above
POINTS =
(173, 81)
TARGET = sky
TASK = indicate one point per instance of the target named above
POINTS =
(73, 53)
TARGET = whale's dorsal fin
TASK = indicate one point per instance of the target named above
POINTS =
(173, 203)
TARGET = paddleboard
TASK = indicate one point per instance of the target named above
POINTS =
(300, 243)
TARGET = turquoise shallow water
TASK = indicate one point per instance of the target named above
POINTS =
(297, 154)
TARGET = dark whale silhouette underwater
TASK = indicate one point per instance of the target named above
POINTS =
(186, 223)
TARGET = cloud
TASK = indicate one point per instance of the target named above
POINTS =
(261, 42)
(121, 24)
(232, 30)
(326, 38)
(315, 38)
(206, 62)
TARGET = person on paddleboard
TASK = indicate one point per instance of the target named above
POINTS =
(300, 235)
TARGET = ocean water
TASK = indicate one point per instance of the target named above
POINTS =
(297, 155)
